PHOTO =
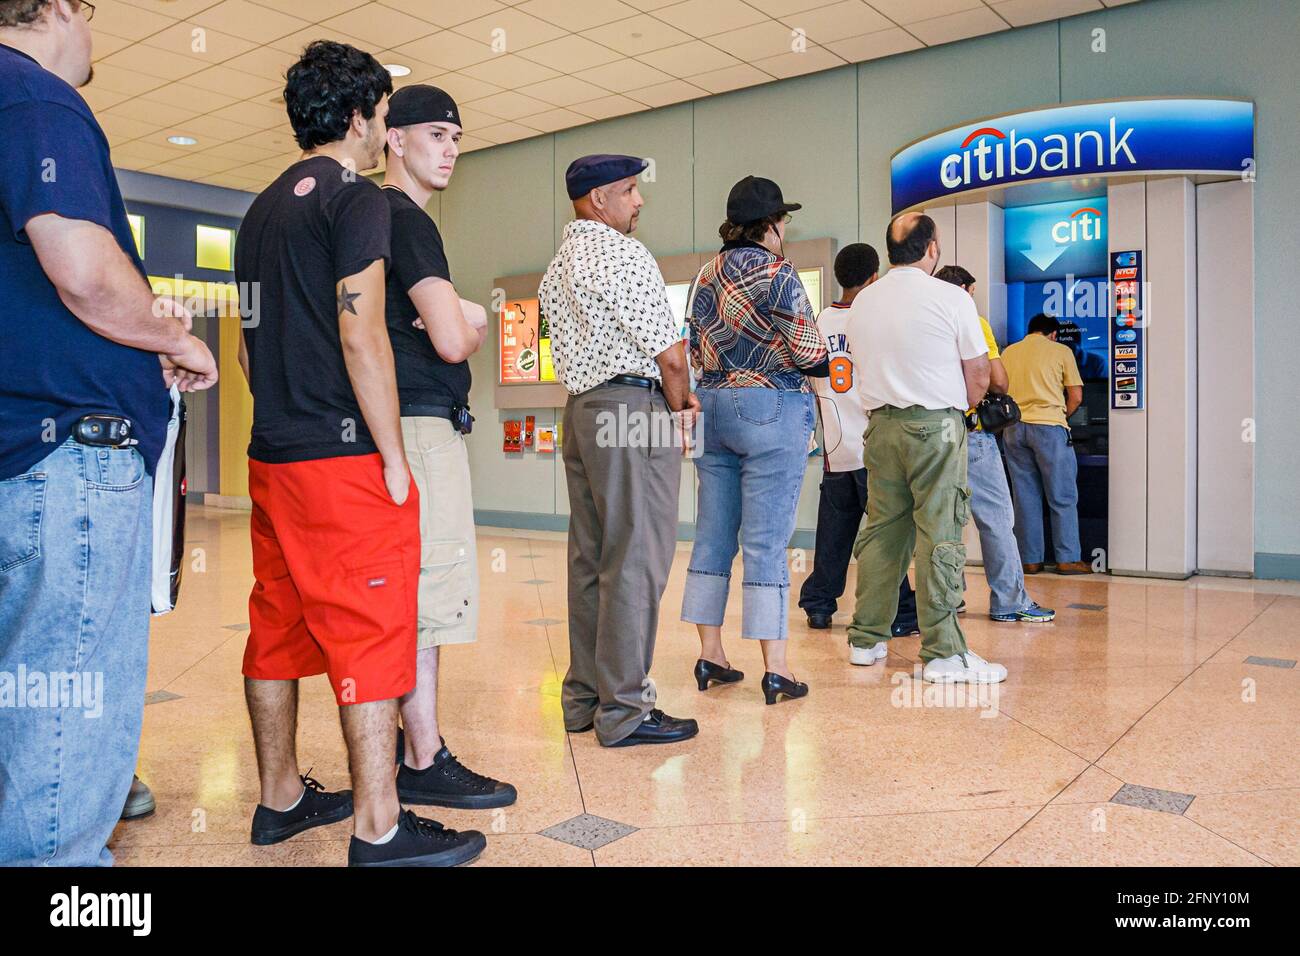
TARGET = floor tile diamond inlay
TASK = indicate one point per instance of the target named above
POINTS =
(160, 697)
(1088, 607)
(235, 627)
(544, 621)
(1270, 661)
(588, 831)
(1152, 798)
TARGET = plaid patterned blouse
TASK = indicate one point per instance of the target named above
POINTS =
(751, 323)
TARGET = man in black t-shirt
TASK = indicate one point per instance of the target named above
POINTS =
(434, 332)
(335, 523)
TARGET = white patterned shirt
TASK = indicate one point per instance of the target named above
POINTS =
(608, 312)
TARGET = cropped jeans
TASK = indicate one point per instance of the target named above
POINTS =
(750, 474)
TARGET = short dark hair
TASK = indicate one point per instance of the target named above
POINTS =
(751, 231)
(911, 245)
(1044, 323)
(956, 275)
(21, 13)
(327, 85)
(855, 264)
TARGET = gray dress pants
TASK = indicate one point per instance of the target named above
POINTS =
(623, 482)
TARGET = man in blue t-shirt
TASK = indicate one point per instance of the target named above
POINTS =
(81, 334)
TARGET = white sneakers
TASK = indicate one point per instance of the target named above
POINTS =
(866, 656)
(967, 668)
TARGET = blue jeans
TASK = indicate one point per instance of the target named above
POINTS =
(1042, 462)
(750, 474)
(75, 551)
(990, 506)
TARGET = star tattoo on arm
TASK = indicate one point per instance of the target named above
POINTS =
(346, 299)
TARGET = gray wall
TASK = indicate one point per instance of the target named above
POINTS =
(827, 139)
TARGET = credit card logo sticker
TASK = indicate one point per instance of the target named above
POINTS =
(1126, 335)
(1126, 399)
(1126, 384)
(1126, 368)
(1126, 352)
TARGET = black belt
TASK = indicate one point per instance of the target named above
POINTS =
(640, 381)
(428, 411)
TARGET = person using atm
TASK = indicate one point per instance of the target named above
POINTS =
(1043, 378)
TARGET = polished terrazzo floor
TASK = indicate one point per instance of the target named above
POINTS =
(1156, 723)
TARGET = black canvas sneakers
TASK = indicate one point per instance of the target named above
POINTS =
(418, 842)
(317, 808)
(449, 783)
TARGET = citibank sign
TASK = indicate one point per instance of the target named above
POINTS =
(1203, 136)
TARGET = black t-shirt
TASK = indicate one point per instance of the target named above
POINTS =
(314, 226)
(423, 377)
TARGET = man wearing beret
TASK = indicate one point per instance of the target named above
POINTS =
(433, 332)
(618, 352)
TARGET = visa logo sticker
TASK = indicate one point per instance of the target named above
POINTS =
(1126, 352)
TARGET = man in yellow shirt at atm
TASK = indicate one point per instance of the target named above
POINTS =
(1043, 378)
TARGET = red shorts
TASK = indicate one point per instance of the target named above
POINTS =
(337, 569)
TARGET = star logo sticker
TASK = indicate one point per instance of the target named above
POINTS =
(346, 299)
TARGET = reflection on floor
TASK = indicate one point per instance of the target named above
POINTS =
(1154, 723)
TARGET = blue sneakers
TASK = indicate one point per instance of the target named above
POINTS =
(1030, 615)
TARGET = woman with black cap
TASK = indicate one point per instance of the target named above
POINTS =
(753, 340)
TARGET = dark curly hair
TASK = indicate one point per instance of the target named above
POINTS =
(856, 263)
(325, 87)
(21, 13)
(751, 231)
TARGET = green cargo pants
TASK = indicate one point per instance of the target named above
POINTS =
(917, 499)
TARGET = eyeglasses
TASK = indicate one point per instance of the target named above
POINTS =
(88, 9)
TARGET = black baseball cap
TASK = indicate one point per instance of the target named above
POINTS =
(755, 198)
(589, 172)
(419, 103)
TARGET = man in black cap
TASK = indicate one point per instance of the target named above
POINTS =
(618, 352)
(434, 332)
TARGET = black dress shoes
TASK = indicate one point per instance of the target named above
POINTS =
(707, 671)
(775, 687)
(659, 728)
(819, 622)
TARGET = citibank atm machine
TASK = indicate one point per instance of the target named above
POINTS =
(1131, 221)
(1055, 259)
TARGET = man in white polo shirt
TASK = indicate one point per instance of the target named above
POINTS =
(844, 480)
(921, 360)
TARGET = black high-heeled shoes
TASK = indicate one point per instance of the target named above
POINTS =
(706, 671)
(775, 687)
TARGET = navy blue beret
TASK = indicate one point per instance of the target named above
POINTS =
(587, 172)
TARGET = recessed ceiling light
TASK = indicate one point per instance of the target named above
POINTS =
(396, 69)
(182, 140)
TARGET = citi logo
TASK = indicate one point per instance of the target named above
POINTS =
(1083, 225)
(997, 154)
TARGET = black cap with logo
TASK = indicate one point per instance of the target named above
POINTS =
(755, 198)
(418, 103)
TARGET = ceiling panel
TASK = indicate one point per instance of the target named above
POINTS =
(1021, 13)
(570, 53)
(214, 69)
(838, 21)
(639, 34)
(577, 15)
